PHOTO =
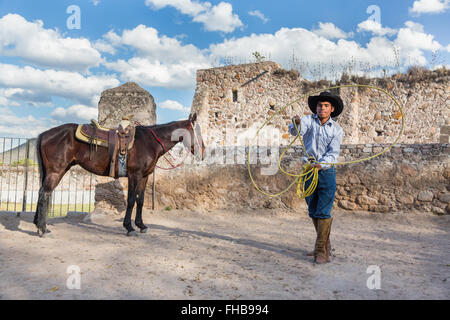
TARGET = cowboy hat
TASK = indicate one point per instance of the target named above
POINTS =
(335, 101)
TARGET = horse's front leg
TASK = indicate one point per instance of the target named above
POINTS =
(51, 180)
(133, 182)
(140, 203)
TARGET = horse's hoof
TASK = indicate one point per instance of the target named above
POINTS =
(45, 234)
(144, 230)
(132, 233)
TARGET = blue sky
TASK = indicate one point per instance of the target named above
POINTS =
(51, 73)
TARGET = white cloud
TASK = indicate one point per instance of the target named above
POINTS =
(174, 105)
(95, 2)
(215, 18)
(307, 45)
(103, 46)
(316, 50)
(219, 18)
(188, 7)
(258, 14)
(154, 46)
(155, 73)
(45, 47)
(412, 41)
(429, 6)
(5, 97)
(48, 83)
(166, 62)
(160, 60)
(76, 113)
(375, 27)
(329, 31)
(15, 95)
(24, 127)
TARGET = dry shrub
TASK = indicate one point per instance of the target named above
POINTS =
(293, 74)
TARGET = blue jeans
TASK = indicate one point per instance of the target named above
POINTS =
(321, 201)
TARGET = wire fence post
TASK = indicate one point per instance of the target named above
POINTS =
(25, 183)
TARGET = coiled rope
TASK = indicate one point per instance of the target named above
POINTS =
(309, 172)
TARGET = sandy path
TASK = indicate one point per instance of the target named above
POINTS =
(226, 255)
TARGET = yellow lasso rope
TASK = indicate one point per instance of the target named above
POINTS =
(308, 172)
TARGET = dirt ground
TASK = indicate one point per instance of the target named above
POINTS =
(226, 255)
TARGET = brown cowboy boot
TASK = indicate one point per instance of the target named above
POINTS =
(311, 253)
(321, 252)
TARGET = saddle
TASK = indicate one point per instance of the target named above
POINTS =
(118, 140)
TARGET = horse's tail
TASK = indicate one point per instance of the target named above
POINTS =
(39, 159)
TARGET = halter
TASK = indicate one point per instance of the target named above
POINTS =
(167, 151)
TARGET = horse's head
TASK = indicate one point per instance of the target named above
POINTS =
(195, 143)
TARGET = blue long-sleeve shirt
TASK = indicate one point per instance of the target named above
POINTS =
(323, 142)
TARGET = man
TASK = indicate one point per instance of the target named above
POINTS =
(322, 138)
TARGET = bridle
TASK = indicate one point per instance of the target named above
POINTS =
(167, 151)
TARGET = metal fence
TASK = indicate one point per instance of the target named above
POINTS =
(19, 181)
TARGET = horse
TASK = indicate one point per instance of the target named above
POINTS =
(58, 150)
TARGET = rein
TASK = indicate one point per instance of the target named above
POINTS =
(167, 151)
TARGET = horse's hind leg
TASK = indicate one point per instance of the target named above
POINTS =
(41, 212)
(49, 184)
(140, 203)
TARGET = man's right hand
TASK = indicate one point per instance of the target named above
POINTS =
(296, 119)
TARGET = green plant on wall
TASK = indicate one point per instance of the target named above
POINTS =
(258, 57)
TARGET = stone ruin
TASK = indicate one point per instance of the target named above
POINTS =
(413, 175)
(238, 97)
(127, 99)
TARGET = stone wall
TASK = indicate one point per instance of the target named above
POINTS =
(237, 97)
(405, 178)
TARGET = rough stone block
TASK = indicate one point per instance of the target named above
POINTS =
(405, 199)
(445, 130)
(365, 200)
(379, 208)
(425, 196)
(347, 205)
(444, 138)
(445, 197)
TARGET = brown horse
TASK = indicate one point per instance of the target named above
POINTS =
(58, 150)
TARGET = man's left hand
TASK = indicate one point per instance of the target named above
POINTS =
(316, 165)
